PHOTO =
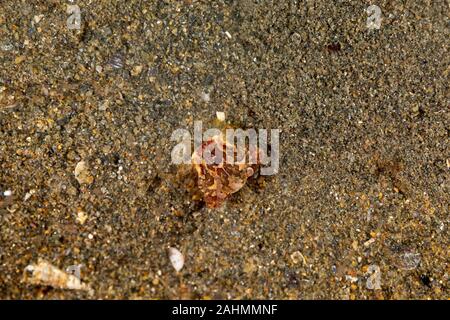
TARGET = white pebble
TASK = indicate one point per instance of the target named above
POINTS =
(369, 242)
(205, 96)
(81, 218)
(351, 279)
(7, 193)
(38, 18)
(176, 258)
(220, 116)
(29, 194)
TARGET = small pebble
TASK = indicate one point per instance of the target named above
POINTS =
(176, 259)
(409, 261)
(369, 242)
(351, 278)
(81, 217)
(220, 116)
(297, 257)
(38, 18)
(82, 173)
(136, 70)
(19, 59)
(6, 47)
(205, 96)
(28, 195)
(117, 61)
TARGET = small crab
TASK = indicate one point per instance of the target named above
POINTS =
(217, 178)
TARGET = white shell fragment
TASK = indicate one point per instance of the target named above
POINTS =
(44, 273)
(82, 173)
(205, 96)
(220, 116)
(38, 18)
(81, 217)
(176, 258)
(29, 194)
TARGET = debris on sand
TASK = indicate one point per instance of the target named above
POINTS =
(44, 273)
(82, 173)
(81, 216)
(176, 259)
(220, 116)
(205, 96)
(408, 261)
(298, 257)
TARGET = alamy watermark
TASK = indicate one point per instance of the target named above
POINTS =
(73, 22)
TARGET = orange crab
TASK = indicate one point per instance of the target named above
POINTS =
(217, 178)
